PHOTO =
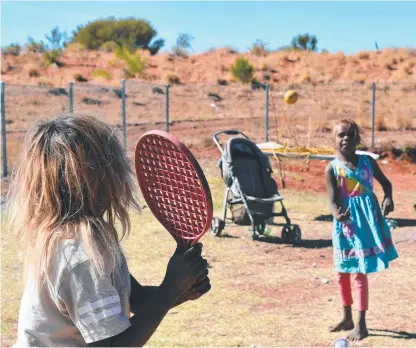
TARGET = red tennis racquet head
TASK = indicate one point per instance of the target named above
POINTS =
(174, 186)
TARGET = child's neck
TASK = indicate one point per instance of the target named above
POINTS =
(351, 157)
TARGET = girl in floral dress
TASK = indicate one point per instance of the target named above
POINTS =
(361, 237)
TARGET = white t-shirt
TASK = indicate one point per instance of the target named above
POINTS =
(78, 306)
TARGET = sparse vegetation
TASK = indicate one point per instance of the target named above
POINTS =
(380, 123)
(45, 83)
(35, 46)
(360, 79)
(172, 79)
(404, 123)
(363, 55)
(79, 78)
(12, 49)
(33, 73)
(242, 70)
(259, 48)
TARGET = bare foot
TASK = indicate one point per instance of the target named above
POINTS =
(360, 332)
(345, 324)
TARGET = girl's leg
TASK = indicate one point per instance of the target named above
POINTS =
(344, 285)
(360, 330)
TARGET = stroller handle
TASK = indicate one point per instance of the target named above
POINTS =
(227, 132)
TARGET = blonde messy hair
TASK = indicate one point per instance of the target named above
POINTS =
(73, 181)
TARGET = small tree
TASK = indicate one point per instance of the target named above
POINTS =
(183, 44)
(242, 70)
(57, 39)
(305, 42)
(259, 48)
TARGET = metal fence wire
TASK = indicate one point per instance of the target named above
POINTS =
(258, 110)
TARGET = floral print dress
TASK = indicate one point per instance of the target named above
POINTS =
(362, 244)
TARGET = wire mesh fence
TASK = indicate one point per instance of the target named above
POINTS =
(195, 112)
(310, 121)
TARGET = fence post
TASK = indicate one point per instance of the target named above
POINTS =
(373, 115)
(123, 112)
(71, 97)
(167, 107)
(3, 130)
(267, 112)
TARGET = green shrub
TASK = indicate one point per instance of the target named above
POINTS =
(242, 70)
(52, 57)
(135, 63)
(130, 32)
(102, 73)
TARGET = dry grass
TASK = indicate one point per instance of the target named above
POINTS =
(263, 293)
(381, 123)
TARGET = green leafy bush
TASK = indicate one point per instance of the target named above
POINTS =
(135, 63)
(131, 33)
(242, 70)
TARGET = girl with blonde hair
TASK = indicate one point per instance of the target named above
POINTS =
(72, 184)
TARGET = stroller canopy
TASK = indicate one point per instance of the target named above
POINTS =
(244, 161)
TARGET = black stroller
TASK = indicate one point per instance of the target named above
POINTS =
(250, 192)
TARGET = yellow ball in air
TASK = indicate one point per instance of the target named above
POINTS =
(291, 97)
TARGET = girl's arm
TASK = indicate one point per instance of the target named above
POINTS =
(381, 178)
(140, 294)
(333, 195)
(144, 323)
(387, 205)
(183, 271)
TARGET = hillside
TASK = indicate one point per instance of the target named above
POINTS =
(284, 67)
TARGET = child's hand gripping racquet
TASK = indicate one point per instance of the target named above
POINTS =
(174, 187)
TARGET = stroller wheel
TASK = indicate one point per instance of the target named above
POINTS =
(296, 233)
(258, 230)
(254, 233)
(291, 233)
(261, 228)
(217, 226)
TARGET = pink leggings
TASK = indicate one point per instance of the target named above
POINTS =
(361, 285)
